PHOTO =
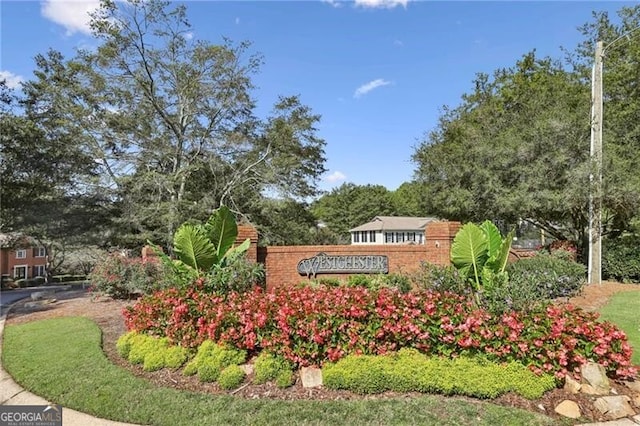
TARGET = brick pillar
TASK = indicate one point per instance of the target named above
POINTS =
(248, 231)
(438, 239)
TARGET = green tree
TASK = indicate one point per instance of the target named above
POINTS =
(351, 205)
(410, 200)
(170, 121)
(517, 147)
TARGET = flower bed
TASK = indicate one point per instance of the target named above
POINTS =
(315, 325)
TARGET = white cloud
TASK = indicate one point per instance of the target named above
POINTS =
(398, 43)
(13, 81)
(336, 176)
(382, 4)
(73, 15)
(237, 21)
(334, 3)
(188, 35)
(366, 88)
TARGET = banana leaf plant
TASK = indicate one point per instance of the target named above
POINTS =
(201, 248)
(480, 254)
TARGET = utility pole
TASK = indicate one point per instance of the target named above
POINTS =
(595, 178)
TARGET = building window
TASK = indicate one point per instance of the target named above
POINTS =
(364, 236)
(38, 271)
(39, 252)
(21, 254)
(388, 237)
(399, 237)
(411, 236)
(372, 236)
(19, 272)
(356, 237)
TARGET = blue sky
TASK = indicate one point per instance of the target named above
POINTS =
(377, 71)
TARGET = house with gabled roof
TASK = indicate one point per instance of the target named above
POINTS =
(391, 230)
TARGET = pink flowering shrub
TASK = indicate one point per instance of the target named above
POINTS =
(314, 325)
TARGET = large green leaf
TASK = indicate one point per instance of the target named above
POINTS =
(222, 231)
(494, 238)
(192, 246)
(469, 251)
(499, 261)
(237, 251)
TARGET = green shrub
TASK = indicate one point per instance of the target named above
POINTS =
(408, 370)
(122, 278)
(153, 361)
(211, 359)
(175, 356)
(621, 259)
(123, 344)
(285, 378)
(238, 275)
(268, 367)
(547, 275)
(439, 278)
(152, 352)
(359, 280)
(231, 377)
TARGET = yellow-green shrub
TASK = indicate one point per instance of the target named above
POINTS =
(211, 359)
(231, 377)
(408, 370)
(123, 344)
(154, 353)
(285, 378)
(269, 367)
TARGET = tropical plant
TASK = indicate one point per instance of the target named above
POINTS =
(480, 254)
(201, 249)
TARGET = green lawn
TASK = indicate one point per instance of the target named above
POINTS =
(61, 360)
(622, 310)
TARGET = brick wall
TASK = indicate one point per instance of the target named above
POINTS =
(281, 261)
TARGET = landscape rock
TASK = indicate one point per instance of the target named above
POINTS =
(590, 390)
(614, 407)
(311, 377)
(568, 408)
(571, 385)
(39, 295)
(634, 386)
(595, 375)
(247, 368)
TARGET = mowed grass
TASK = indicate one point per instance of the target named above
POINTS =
(61, 360)
(622, 310)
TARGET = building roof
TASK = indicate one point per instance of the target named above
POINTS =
(395, 223)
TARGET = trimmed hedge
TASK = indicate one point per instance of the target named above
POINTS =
(410, 371)
(269, 367)
(211, 359)
(152, 352)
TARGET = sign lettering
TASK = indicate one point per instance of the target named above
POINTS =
(323, 263)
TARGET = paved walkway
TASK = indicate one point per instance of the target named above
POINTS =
(12, 394)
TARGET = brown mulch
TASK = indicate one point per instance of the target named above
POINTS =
(107, 313)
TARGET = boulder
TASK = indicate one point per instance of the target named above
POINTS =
(568, 408)
(596, 376)
(311, 377)
(571, 385)
(614, 407)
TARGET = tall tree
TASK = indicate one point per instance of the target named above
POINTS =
(351, 205)
(517, 148)
(169, 119)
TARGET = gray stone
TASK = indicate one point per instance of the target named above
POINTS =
(614, 407)
(596, 376)
(39, 295)
(311, 377)
(571, 385)
(568, 408)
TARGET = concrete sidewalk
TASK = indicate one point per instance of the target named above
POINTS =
(12, 394)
